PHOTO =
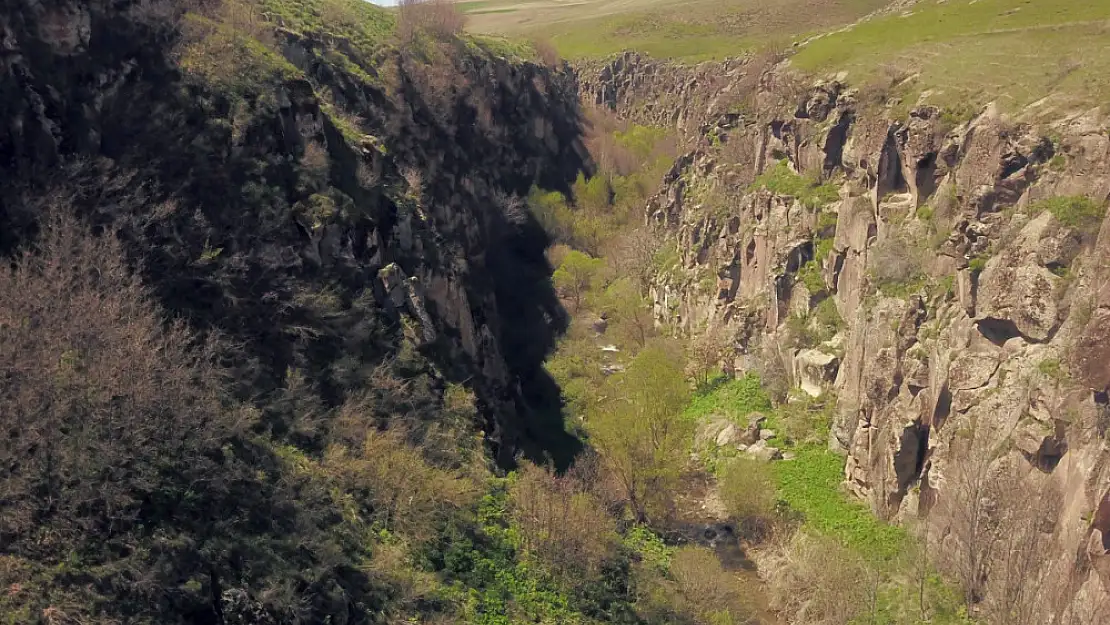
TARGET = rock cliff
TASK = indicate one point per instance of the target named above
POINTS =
(324, 203)
(944, 277)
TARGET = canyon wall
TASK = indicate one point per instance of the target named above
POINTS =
(944, 277)
(327, 204)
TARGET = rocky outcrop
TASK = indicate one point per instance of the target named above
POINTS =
(966, 312)
(814, 371)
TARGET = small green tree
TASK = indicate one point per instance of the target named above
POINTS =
(629, 312)
(747, 488)
(576, 274)
(639, 429)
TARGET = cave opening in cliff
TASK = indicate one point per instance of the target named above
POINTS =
(909, 460)
(998, 331)
(943, 408)
(1051, 452)
(890, 178)
(925, 176)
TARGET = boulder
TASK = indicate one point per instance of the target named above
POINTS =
(729, 436)
(762, 451)
(392, 279)
(755, 427)
(814, 370)
(600, 325)
(1017, 300)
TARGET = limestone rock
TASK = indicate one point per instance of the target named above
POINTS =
(1029, 437)
(1092, 351)
(392, 279)
(600, 325)
(708, 431)
(762, 451)
(729, 436)
(972, 370)
(815, 370)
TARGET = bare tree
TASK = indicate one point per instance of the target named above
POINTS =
(438, 18)
(706, 353)
(562, 524)
(1017, 595)
(107, 409)
(971, 502)
(813, 579)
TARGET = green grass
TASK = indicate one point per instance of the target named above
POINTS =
(810, 276)
(1011, 51)
(655, 35)
(735, 399)
(782, 180)
(690, 31)
(365, 25)
(810, 485)
(230, 60)
(1076, 211)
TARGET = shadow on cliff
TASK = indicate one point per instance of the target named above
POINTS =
(206, 190)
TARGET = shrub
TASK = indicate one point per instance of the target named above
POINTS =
(706, 591)
(392, 482)
(734, 398)
(638, 430)
(576, 275)
(810, 276)
(819, 325)
(563, 527)
(897, 266)
(123, 461)
(819, 580)
(978, 263)
(803, 421)
(747, 488)
(546, 52)
(440, 19)
(1053, 369)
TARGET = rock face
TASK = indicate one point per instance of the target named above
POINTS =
(969, 318)
(259, 209)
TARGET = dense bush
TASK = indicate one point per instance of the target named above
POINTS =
(132, 488)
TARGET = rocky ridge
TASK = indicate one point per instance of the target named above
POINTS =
(969, 318)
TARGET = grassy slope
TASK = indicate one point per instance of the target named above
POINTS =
(960, 51)
(690, 31)
(1012, 51)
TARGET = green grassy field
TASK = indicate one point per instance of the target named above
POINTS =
(960, 52)
(1011, 51)
(690, 31)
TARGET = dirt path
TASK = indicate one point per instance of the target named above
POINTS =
(702, 519)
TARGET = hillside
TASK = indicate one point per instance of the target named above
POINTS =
(1013, 51)
(690, 31)
(256, 247)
